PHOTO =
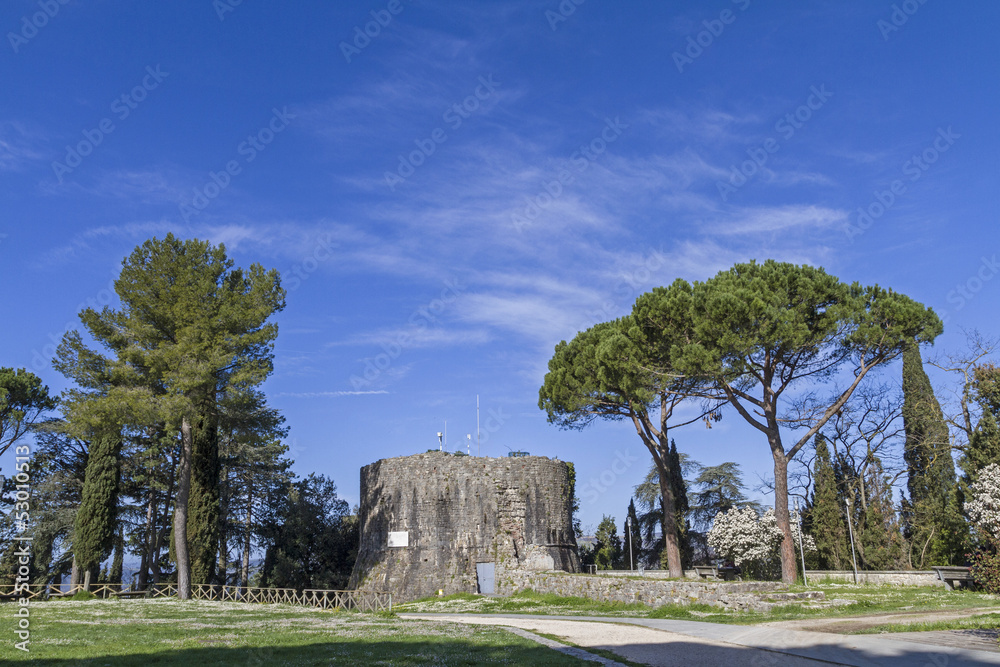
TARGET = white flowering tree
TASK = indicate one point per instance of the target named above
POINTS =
(983, 507)
(753, 542)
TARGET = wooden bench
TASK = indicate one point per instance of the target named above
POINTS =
(713, 572)
(60, 594)
(951, 574)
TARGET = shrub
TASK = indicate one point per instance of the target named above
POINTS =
(985, 570)
(983, 507)
(752, 542)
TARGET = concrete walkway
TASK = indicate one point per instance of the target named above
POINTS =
(693, 644)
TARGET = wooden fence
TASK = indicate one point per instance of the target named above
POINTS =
(321, 599)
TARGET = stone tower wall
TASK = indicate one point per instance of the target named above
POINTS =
(456, 512)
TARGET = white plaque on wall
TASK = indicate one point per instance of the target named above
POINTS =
(399, 539)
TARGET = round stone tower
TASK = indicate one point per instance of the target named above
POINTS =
(440, 521)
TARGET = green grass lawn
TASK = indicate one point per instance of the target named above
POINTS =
(170, 632)
(861, 600)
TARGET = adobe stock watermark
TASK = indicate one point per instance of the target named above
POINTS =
(22, 517)
(786, 127)
(580, 160)
(418, 321)
(299, 273)
(362, 38)
(248, 149)
(703, 39)
(898, 17)
(596, 486)
(966, 291)
(30, 25)
(223, 7)
(454, 116)
(566, 9)
(913, 169)
(122, 107)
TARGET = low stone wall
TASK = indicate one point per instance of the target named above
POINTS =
(739, 596)
(645, 574)
(897, 577)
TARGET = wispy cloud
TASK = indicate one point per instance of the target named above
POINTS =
(781, 219)
(330, 394)
(19, 146)
(418, 337)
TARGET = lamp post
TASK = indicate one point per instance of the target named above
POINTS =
(850, 528)
(628, 529)
(802, 552)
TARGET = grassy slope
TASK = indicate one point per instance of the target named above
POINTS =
(169, 632)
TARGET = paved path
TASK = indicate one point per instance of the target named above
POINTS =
(662, 642)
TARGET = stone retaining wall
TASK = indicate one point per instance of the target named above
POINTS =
(739, 596)
(898, 577)
(651, 574)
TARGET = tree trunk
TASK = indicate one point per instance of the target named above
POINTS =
(74, 577)
(86, 580)
(245, 576)
(161, 532)
(181, 513)
(670, 542)
(222, 568)
(658, 445)
(154, 558)
(147, 546)
(788, 567)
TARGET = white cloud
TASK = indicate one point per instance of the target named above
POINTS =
(18, 146)
(781, 219)
(418, 337)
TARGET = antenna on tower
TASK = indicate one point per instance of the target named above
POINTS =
(440, 441)
(468, 444)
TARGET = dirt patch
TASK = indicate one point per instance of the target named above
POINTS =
(978, 640)
(851, 624)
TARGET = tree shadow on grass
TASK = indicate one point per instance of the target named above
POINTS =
(453, 651)
(447, 652)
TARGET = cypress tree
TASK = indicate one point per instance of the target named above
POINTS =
(826, 513)
(203, 501)
(984, 443)
(879, 538)
(984, 446)
(681, 506)
(937, 530)
(608, 550)
(95, 519)
(117, 564)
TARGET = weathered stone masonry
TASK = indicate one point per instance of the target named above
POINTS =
(455, 512)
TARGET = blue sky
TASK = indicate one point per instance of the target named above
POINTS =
(453, 193)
